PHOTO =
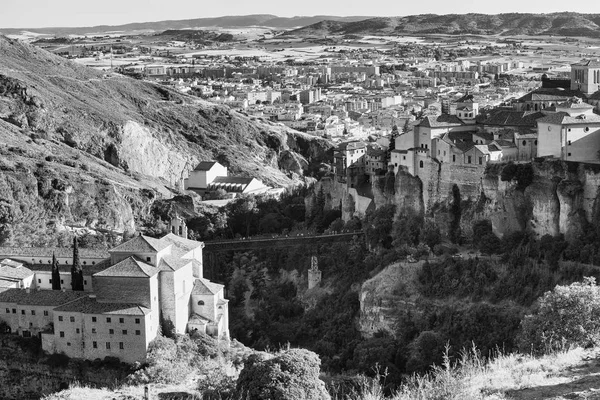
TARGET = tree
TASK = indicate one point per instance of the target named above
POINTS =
(76, 270)
(455, 215)
(289, 375)
(55, 273)
(566, 316)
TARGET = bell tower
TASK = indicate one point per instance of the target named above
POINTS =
(314, 274)
(178, 227)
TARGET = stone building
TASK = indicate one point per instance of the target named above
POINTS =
(143, 281)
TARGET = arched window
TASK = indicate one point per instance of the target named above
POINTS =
(535, 142)
(200, 302)
(421, 164)
(524, 143)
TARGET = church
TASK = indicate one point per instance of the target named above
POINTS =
(143, 284)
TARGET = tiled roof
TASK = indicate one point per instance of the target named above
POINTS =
(437, 121)
(236, 180)
(575, 103)
(504, 143)
(204, 286)
(562, 118)
(467, 98)
(140, 244)
(550, 94)
(19, 273)
(182, 243)
(61, 252)
(485, 135)
(49, 298)
(513, 118)
(10, 263)
(89, 305)
(457, 136)
(130, 267)
(205, 165)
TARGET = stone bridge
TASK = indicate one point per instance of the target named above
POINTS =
(214, 247)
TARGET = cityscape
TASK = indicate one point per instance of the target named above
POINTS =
(326, 207)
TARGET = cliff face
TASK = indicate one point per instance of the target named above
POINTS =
(548, 197)
(24, 375)
(76, 139)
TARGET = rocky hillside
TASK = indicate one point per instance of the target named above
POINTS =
(83, 148)
(511, 24)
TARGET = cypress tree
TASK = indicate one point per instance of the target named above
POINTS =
(55, 274)
(76, 270)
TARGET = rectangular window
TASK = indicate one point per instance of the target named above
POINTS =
(62, 281)
(23, 311)
(49, 280)
(124, 331)
(138, 333)
(93, 319)
(39, 281)
(62, 334)
(60, 318)
(95, 345)
(148, 259)
(569, 142)
(107, 345)
(85, 282)
(32, 312)
(46, 313)
(453, 157)
(469, 159)
(68, 343)
(121, 320)
(121, 345)
(108, 319)
(76, 330)
(137, 320)
(14, 310)
(93, 330)
(111, 331)
(8, 310)
(480, 160)
(72, 319)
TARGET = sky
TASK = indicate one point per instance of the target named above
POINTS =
(83, 13)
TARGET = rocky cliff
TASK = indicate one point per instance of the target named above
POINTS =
(76, 139)
(24, 374)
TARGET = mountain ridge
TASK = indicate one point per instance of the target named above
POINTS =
(240, 21)
(508, 24)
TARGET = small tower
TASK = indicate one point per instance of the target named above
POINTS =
(314, 274)
(178, 227)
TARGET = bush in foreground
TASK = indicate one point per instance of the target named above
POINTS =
(288, 375)
(567, 316)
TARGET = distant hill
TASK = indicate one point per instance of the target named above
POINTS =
(513, 24)
(240, 21)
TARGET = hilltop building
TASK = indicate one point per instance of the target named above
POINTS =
(210, 176)
(142, 282)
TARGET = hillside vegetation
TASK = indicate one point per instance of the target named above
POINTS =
(510, 24)
(87, 149)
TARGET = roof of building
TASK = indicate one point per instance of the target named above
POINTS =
(575, 103)
(205, 165)
(140, 244)
(51, 298)
(587, 63)
(563, 118)
(438, 121)
(485, 135)
(89, 305)
(10, 272)
(204, 286)
(504, 143)
(467, 98)
(131, 267)
(550, 94)
(60, 252)
(513, 118)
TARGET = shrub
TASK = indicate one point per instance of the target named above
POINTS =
(288, 375)
(567, 316)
